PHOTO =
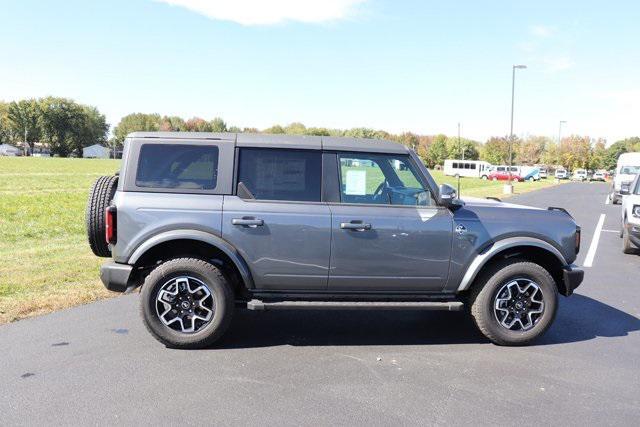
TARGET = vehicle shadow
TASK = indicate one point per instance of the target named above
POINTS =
(579, 318)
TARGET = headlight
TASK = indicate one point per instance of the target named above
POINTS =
(636, 211)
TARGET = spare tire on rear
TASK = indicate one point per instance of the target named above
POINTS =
(100, 197)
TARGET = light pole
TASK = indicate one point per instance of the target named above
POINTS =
(509, 187)
(562, 122)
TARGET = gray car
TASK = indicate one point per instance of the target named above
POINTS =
(210, 223)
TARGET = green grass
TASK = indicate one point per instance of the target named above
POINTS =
(45, 260)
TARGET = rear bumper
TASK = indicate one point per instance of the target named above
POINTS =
(114, 276)
(572, 277)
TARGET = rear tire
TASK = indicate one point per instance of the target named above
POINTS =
(100, 197)
(208, 328)
(489, 293)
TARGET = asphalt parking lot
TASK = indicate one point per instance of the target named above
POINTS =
(97, 364)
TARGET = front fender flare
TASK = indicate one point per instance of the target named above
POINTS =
(481, 259)
(202, 236)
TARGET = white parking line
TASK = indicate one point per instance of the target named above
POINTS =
(610, 231)
(608, 200)
(588, 261)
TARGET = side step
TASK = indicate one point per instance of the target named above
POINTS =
(258, 305)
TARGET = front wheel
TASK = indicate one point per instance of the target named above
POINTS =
(627, 246)
(514, 302)
(186, 303)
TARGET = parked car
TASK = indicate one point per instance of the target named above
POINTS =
(533, 174)
(627, 168)
(543, 173)
(630, 231)
(209, 223)
(561, 174)
(599, 176)
(579, 175)
(501, 173)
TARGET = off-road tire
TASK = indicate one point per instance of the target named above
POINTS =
(100, 197)
(219, 287)
(483, 293)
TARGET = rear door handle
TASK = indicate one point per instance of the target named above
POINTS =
(355, 226)
(247, 222)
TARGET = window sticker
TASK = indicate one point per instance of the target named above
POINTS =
(356, 183)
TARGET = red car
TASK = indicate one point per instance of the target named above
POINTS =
(501, 173)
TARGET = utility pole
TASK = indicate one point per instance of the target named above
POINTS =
(562, 122)
(26, 149)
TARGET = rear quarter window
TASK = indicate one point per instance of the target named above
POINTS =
(166, 166)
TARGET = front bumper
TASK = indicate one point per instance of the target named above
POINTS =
(572, 277)
(114, 276)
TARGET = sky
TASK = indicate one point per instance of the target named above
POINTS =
(420, 66)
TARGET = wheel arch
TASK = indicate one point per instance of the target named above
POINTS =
(531, 249)
(197, 243)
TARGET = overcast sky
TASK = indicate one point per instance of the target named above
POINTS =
(420, 66)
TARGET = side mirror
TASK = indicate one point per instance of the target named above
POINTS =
(449, 197)
(624, 190)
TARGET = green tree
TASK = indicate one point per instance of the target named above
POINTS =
(275, 129)
(24, 119)
(136, 122)
(89, 127)
(465, 148)
(218, 125)
(59, 116)
(295, 128)
(496, 150)
(437, 152)
(5, 131)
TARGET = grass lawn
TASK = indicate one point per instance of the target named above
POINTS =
(45, 260)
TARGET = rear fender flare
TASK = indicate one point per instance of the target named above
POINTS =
(202, 236)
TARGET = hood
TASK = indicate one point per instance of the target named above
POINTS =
(477, 201)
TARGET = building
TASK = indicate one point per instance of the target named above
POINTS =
(9, 150)
(96, 151)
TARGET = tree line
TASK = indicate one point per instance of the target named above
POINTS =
(66, 127)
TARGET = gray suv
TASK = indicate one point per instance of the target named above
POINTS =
(208, 223)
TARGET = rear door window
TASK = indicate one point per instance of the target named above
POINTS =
(177, 166)
(281, 174)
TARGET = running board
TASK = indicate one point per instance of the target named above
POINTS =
(258, 305)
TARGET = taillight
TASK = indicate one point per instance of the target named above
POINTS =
(578, 236)
(110, 225)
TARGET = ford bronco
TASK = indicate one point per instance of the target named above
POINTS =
(205, 224)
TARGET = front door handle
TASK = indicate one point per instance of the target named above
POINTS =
(248, 222)
(355, 226)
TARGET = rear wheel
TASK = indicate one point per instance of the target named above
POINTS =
(186, 303)
(100, 197)
(514, 302)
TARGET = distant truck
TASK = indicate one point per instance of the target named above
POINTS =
(626, 170)
(467, 168)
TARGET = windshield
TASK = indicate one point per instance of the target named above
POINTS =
(630, 170)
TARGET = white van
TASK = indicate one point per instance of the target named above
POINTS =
(626, 170)
(468, 168)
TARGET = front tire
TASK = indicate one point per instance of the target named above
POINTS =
(186, 303)
(627, 246)
(514, 302)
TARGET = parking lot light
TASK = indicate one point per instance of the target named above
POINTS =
(508, 189)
